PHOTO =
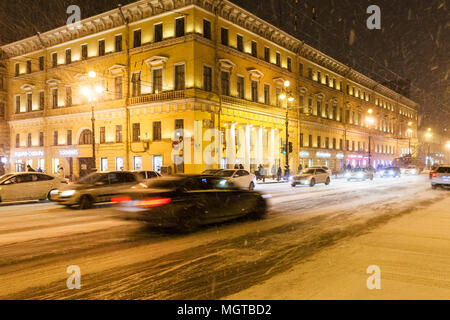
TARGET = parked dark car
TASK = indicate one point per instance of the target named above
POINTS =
(392, 172)
(95, 188)
(186, 202)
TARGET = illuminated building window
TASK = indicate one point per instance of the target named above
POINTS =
(240, 43)
(16, 66)
(240, 87)
(17, 104)
(301, 140)
(29, 140)
(55, 138)
(85, 137)
(137, 163)
(278, 59)
(17, 140)
(319, 141)
(54, 59)
(319, 77)
(254, 49)
(41, 100)
(68, 56)
(310, 73)
(157, 80)
(179, 77)
(102, 134)
(289, 64)
(267, 94)
(136, 132)
(104, 164)
(136, 84)
(68, 96)
(119, 133)
(310, 143)
(118, 43)
(267, 54)
(156, 130)
(300, 69)
(54, 97)
(206, 29)
(41, 139)
(29, 102)
(207, 78)
(225, 83)
(179, 27)
(28, 66)
(224, 36)
(41, 63)
(255, 90)
(69, 137)
(118, 87)
(84, 51)
(136, 38)
(101, 47)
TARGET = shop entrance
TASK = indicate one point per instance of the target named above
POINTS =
(86, 165)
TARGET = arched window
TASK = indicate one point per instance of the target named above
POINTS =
(85, 137)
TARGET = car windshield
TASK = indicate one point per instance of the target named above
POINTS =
(309, 171)
(162, 183)
(5, 177)
(358, 169)
(91, 178)
(211, 171)
(225, 173)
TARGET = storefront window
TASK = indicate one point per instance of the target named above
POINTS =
(137, 163)
(157, 163)
(119, 163)
(104, 164)
(41, 165)
(55, 165)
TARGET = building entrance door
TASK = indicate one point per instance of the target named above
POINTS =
(85, 165)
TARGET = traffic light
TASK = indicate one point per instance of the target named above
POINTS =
(283, 150)
(290, 147)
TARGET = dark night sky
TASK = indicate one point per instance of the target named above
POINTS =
(412, 45)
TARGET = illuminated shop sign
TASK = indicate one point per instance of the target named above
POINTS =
(304, 154)
(355, 156)
(68, 152)
(36, 153)
(323, 155)
(340, 156)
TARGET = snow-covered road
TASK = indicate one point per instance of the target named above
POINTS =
(244, 259)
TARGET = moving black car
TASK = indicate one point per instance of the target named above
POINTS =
(185, 202)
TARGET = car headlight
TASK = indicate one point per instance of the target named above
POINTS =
(360, 174)
(53, 192)
(391, 172)
(382, 172)
(413, 171)
(67, 193)
(291, 178)
(347, 174)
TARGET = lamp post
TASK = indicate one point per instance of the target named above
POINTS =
(91, 92)
(428, 135)
(287, 94)
(447, 145)
(410, 131)
(370, 120)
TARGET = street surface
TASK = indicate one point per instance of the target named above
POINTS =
(316, 243)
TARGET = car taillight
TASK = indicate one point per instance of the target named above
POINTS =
(434, 174)
(120, 199)
(152, 202)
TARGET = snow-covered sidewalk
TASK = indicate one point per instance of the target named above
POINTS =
(412, 252)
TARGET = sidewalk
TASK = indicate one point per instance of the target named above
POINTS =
(412, 252)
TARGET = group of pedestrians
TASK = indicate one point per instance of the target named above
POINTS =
(59, 173)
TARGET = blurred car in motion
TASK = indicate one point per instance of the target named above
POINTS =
(28, 186)
(410, 170)
(147, 174)
(186, 202)
(311, 177)
(392, 172)
(238, 177)
(95, 188)
(359, 174)
(441, 177)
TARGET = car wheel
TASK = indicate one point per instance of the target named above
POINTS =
(49, 195)
(251, 186)
(312, 183)
(85, 202)
(260, 210)
(294, 185)
(327, 182)
(190, 221)
(434, 186)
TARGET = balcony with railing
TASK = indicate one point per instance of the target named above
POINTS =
(161, 96)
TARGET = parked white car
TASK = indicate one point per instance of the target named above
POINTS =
(22, 186)
(440, 177)
(239, 177)
(311, 177)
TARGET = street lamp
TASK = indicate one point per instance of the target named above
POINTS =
(370, 120)
(91, 92)
(287, 94)
(447, 145)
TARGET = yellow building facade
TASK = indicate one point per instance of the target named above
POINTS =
(186, 86)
